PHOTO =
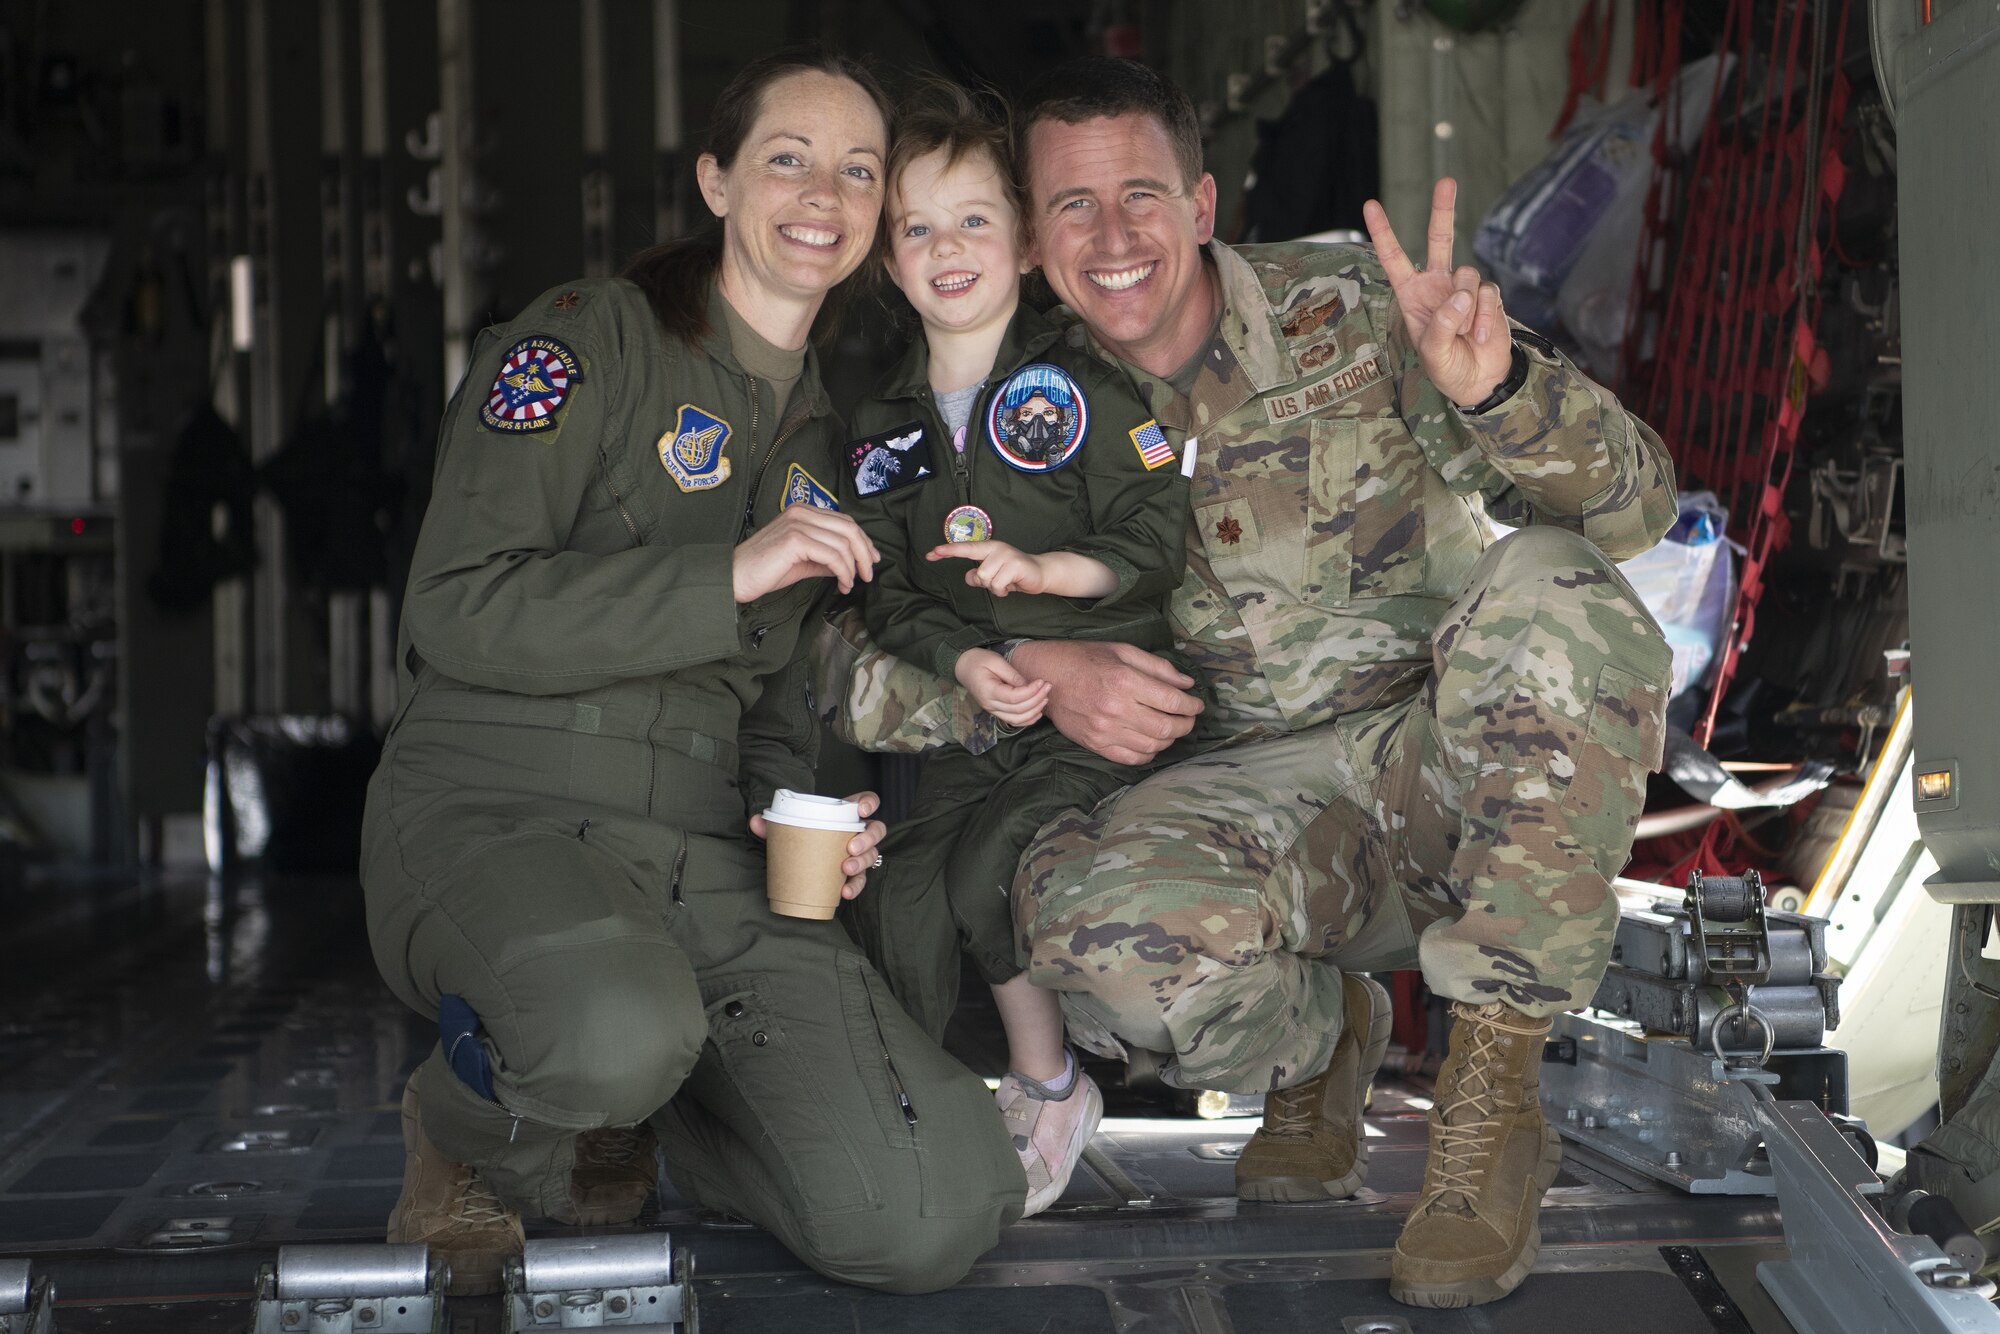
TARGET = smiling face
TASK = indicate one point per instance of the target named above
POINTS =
(955, 243)
(800, 203)
(1119, 234)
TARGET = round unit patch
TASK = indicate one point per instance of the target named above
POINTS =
(1037, 419)
(532, 386)
(968, 523)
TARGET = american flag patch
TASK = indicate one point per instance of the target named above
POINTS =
(1151, 442)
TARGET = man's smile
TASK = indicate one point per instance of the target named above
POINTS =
(1118, 280)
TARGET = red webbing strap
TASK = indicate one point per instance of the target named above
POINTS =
(1656, 45)
(1589, 60)
(1790, 292)
(1728, 387)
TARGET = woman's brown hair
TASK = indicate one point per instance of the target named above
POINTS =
(675, 275)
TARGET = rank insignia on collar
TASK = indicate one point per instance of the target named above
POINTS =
(1037, 418)
(891, 459)
(692, 451)
(802, 488)
(534, 382)
(1151, 442)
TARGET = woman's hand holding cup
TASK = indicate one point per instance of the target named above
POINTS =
(810, 867)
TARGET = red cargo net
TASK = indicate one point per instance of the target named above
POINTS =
(1719, 351)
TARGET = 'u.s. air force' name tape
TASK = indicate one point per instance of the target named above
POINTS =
(531, 387)
(1352, 379)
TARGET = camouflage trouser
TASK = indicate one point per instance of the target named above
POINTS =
(1473, 828)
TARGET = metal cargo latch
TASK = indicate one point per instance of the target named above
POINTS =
(622, 1282)
(350, 1290)
(26, 1306)
(1702, 994)
(1734, 937)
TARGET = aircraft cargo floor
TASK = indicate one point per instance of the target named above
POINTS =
(191, 1077)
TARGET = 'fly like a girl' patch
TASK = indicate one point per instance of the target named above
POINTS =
(1037, 419)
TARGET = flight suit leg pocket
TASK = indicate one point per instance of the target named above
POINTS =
(862, 1000)
(777, 1102)
(942, 1139)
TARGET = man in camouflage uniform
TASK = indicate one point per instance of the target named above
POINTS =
(1425, 746)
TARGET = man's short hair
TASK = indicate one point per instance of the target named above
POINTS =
(1094, 86)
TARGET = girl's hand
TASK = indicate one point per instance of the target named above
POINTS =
(999, 689)
(1002, 569)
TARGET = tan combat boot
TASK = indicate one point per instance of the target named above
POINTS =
(445, 1205)
(1310, 1146)
(1472, 1237)
(614, 1173)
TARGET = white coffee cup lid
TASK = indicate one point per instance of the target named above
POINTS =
(807, 811)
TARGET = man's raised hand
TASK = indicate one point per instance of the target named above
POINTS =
(1455, 320)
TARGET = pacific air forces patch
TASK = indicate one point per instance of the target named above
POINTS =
(692, 451)
(889, 460)
(802, 488)
(534, 382)
(1037, 418)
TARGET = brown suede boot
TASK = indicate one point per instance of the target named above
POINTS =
(1472, 1237)
(1310, 1146)
(614, 1173)
(447, 1206)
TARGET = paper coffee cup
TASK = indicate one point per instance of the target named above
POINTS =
(805, 841)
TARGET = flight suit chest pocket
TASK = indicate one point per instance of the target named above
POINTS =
(1365, 525)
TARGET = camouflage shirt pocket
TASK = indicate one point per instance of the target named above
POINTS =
(1252, 541)
(1366, 536)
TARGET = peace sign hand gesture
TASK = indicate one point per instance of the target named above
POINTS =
(1455, 320)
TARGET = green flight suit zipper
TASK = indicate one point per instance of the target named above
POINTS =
(895, 1080)
(750, 500)
(624, 513)
(785, 433)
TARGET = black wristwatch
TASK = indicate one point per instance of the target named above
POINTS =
(1517, 375)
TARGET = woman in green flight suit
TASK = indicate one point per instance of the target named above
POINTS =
(603, 679)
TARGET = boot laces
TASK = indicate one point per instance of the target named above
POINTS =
(477, 1205)
(1468, 1127)
(613, 1147)
(1292, 1113)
